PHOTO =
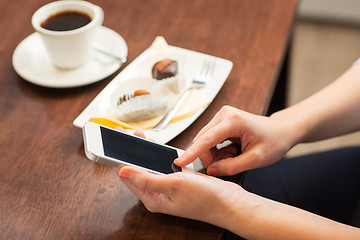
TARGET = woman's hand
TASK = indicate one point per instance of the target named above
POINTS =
(173, 194)
(188, 195)
(227, 205)
(263, 141)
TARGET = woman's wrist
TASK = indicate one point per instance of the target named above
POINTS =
(293, 128)
(238, 213)
(252, 216)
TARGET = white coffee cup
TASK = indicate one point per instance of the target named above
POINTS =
(68, 49)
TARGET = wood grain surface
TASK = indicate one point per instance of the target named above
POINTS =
(49, 189)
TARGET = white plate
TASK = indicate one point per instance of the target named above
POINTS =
(189, 64)
(31, 62)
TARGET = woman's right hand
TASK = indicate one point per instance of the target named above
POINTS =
(263, 141)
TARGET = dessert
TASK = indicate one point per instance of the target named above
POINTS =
(127, 97)
(140, 92)
(165, 69)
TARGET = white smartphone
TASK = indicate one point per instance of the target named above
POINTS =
(116, 149)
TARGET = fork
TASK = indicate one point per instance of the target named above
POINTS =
(199, 81)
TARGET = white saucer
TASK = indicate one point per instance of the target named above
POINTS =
(31, 62)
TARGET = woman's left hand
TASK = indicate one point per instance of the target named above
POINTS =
(188, 195)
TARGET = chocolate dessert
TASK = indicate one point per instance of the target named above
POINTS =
(164, 69)
(127, 97)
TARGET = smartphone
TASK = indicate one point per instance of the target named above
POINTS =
(116, 149)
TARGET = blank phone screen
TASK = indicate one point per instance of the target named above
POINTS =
(137, 151)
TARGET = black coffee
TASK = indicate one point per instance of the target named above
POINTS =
(65, 21)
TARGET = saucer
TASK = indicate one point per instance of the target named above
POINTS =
(31, 62)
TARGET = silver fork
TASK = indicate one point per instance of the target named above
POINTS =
(199, 81)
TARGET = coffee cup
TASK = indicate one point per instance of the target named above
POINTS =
(67, 29)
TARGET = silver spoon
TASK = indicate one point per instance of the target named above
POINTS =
(121, 59)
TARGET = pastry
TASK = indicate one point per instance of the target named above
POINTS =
(165, 69)
(127, 97)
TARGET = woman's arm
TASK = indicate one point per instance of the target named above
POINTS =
(267, 219)
(333, 111)
(229, 206)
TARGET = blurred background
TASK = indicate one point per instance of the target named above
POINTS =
(326, 42)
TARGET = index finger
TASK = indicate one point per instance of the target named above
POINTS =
(219, 117)
(205, 142)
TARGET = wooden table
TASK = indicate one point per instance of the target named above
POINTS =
(49, 189)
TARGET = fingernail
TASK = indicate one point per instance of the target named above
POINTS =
(124, 174)
(212, 171)
(176, 161)
(120, 129)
